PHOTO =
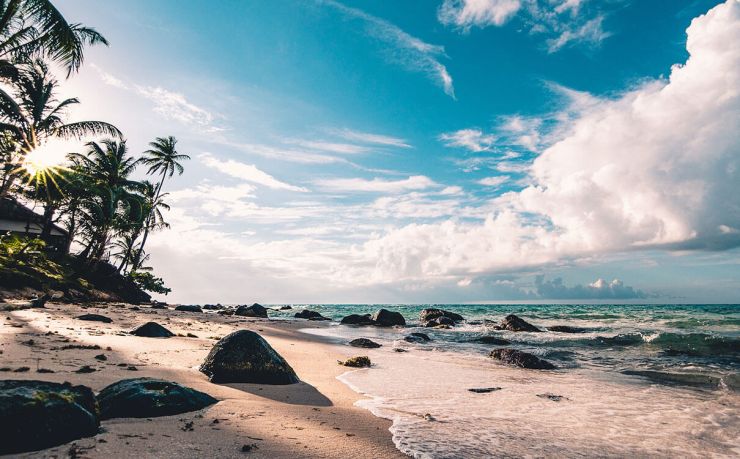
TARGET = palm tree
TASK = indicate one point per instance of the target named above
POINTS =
(33, 116)
(162, 159)
(152, 207)
(36, 27)
(112, 201)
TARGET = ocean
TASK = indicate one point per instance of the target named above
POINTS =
(638, 380)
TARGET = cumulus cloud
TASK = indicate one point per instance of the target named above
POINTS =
(406, 50)
(598, 290)
(246, 172)
(414, 182)
(563, 21)
(653, 168)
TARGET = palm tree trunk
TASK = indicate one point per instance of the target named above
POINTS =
(137, 260)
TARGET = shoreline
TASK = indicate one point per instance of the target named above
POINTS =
(314, 418)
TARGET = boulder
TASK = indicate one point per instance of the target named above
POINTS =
(310, 315)
(158, 305)
(356, 362)
(152, 330)
(256, 310)
(36, 414)
(521, 359)
(95, 318)
(364, 342)
(430, 314)
(417, 338)
(245, 357)
(357, 319)
(146, 397)
(515, 323)
(40, 302)
(566, 329)
(285, 308)
(490, 340)
(386, 318)
(188, 308)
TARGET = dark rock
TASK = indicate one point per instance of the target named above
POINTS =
(515, 323)
(484, 390)
(553, 397)
(95, 318)
(244, 356)
(364, 342)
(490, 340)
(158, 305)
(226, 312)
(213, 307)
(521, 359)
(430, 314)
(417, 338)
(399, 349)
(256, 310)
(40, 302)
(101, 357)
(386, 318)
(188, 308)
(310, 315)
(679, 379)
(36, 415)
(152, 330)
(85, 369)
(356, 362)
(357, 319)
(146, 397)
(566, 329)
(285, 308)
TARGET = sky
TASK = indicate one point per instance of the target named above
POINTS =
(433, 151)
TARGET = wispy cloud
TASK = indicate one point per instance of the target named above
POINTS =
(494, 181)
(246, 172)
(407, 50)
(472, 139)
(368, 138)
(415, 182)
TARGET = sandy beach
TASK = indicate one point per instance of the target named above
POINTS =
(314, 418)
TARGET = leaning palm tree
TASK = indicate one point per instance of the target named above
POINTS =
(32, 116)
(163, 159)
(152, 207)
(37, 28)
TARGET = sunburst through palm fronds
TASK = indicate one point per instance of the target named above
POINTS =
(41, 164)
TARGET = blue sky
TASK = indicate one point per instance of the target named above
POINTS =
(433, 151)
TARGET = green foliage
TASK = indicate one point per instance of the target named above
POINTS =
(148, 282)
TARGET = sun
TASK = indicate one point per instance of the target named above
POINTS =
(41, 159)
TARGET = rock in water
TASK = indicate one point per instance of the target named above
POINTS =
(491, 340)
(364, 342)
(244, 356)
(386, 318)
(430, 314)
(36, 414)
(439, 321)
(521, 359)
(566, 329)
(152, 330)
(146, 397)
(256, 310)
(310, 315)
(417, 338)
(357, 319)
(188, 308)
(515, 323)
(356, 362)
(95, 318)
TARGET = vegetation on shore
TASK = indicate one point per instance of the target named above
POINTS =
(95, 196)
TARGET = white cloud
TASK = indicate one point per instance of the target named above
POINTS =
(563, 20)
(378, 139)
(333, 147)
(472, 139)
(246, 172)
(494, 181)
(481, 13)
(598, 290)
(414, 182)
(408, 50)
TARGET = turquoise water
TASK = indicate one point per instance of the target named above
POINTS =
(703, 338)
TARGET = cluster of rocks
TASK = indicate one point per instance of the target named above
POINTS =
(433, 317)
(381, 318)
(310, 315)
(36, 415)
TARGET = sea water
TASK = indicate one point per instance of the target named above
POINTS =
(639, 380)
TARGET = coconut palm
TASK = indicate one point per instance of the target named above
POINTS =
(36, 27)
(163, 159)
(33, 117)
